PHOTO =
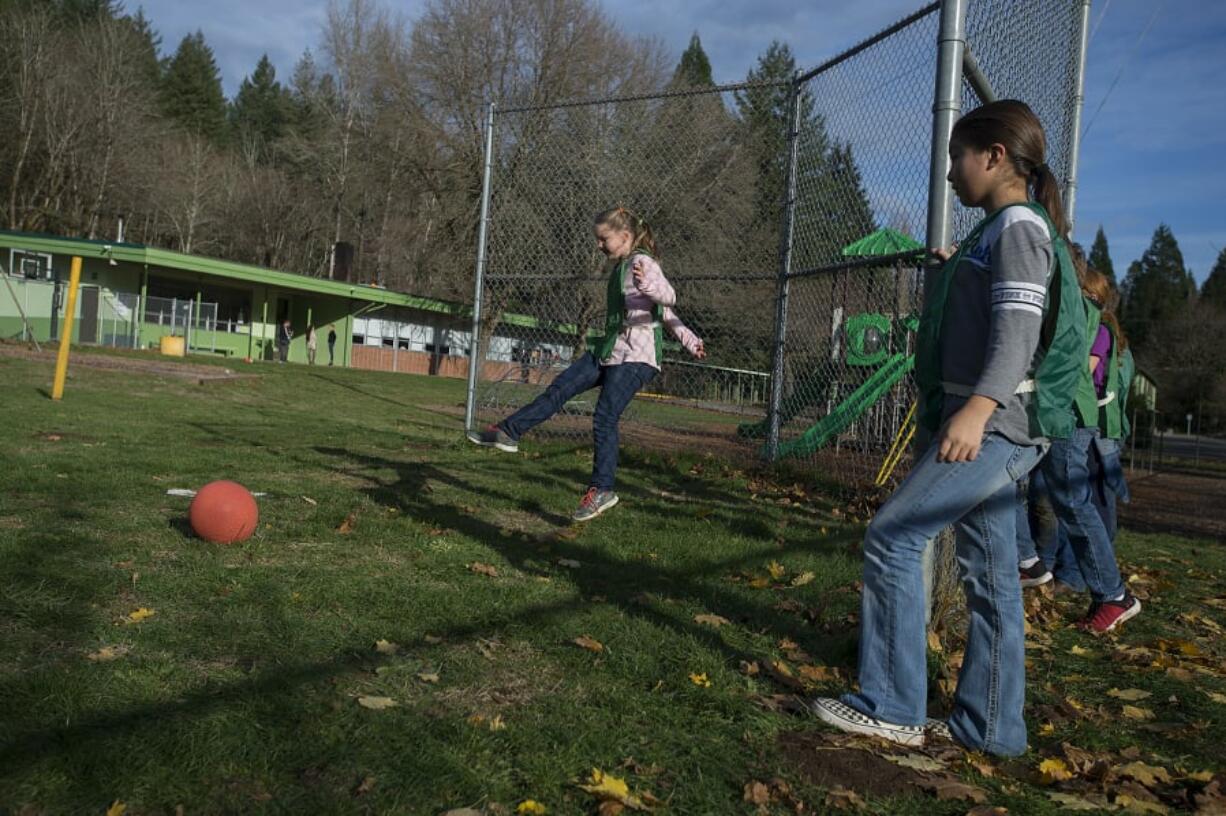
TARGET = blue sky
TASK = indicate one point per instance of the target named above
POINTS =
(1153, 153)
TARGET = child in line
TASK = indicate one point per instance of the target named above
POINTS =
(987, 393)
(624, 360)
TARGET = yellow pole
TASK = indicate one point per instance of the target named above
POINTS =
(61, 361)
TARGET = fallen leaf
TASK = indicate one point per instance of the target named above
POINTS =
(918, 762)
(483, 569)
(117, 808)
(700, 680)
(750, 669)
(1053, 770)
(818, 674)
(711, 620)
(347, 525)
(1215, 697)
(1147, 775)
(140, 615)
(610, 808)
(428, 677)
(947, 787)
(569, 563)
(760, 583)
(365, 786)
(386, 647)
(987, 810)
(1068, 801)
(465, 811)
(589, 643)
(1131, 695)
(1135, 805)
(530, 807)
(934, 641)
(1078, 651)
(108, 653)
(609, 787)
(310, 501)
(432, 639)
(844, 799)
(776, 570)
(803, 578)
(756, 793)
(1137, 713)
(376, 703)
(497, 723)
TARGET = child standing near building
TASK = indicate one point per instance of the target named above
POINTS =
(627, 357)
(991, 393)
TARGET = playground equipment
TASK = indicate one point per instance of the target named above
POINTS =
(868, 340)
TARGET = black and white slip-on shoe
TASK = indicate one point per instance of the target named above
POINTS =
(846, 718)
(935, 729)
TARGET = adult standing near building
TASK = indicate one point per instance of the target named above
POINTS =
(331, 344)
(284, 335)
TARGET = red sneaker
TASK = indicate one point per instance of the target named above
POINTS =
(1105, 616)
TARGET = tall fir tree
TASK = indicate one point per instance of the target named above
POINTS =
(1100, 255)
(1158, 287)
(1213, 290)
(261, 109)
(191, 91)
(694, 69)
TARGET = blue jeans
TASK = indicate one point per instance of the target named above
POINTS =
(1071, 473)
(980, 497)
(618, 385)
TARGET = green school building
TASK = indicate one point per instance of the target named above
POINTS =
(132, 295)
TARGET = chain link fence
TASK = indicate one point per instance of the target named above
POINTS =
(791, 219)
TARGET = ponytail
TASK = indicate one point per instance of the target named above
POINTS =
(620, 218)
(1047, 193)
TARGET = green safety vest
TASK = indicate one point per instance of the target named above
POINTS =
(1111, 419)
(615, 312)
(1128, 369)
(1059, 362)
(1086, 401)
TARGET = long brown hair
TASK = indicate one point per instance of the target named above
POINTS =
(620, 218)
(1012, 123)
(1098, 288)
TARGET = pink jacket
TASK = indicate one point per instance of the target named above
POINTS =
(636, 343)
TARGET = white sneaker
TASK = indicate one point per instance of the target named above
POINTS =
(846, 718)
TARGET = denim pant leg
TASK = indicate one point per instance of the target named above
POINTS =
(621, 382)
(1025, 542)
(991, 688)
(581, 375)
(893, 647)
(1066, 470)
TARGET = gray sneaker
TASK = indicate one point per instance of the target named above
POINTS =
(594, 502)
(494, 437)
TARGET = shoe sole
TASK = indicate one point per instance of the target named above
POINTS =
(1131, 613)
(1034, 582)
(909, 738)
(599, 510)
(499, 445)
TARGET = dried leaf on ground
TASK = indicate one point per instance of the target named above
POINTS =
(1131, 694)
(569, 563)
(1053, 770)
(1068, 801)
(386, 647)
(310, 501)
(818, 674)
(588, 642)
(949, 787)
(530, 807)
(139, 615)
(776, 570)
(756, 793)
(987, 810)
(844, 799)
(700, 680)
(750, 669)
(1137, 713)
(611, 788)
(917, 762)
(108, 653)
(1147, 775)
(1078, 651)
(347, 525)
(465, 811)
(1133, 804)
(711, 620)
(117, 808)
(428, 677)
(1215, 697)
(483, 569)
(802, 579)
(376, 703)
(365, 786)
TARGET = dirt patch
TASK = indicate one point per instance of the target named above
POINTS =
(834, 766)
(129, 362)
(1177, 503)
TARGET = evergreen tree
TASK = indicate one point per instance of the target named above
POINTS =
(1158, 287)
(1100, 255)
(1213, 291)
(191, 89)
(694, 69)
(261, 108)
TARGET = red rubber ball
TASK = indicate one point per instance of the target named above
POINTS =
(224, 512)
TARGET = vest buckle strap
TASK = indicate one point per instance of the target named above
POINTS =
(1107, 400)
(960, 390)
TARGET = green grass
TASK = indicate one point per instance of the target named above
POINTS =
(240, 693)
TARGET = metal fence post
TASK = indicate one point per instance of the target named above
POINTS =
(785, 269)
(1079, 96)
(946, 107)
(474, 345)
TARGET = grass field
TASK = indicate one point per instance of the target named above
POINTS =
(398, 567)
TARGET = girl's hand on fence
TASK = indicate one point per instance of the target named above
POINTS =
(700, 352)
(962, 435)
(944, 253)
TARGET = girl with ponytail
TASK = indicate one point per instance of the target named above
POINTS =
(624, 360)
